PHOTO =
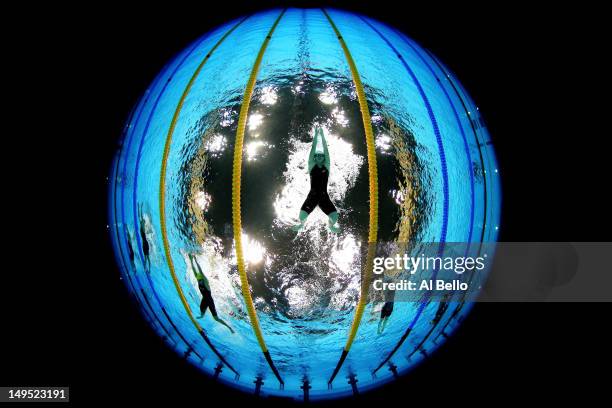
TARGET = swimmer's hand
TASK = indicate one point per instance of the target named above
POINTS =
(297, 227)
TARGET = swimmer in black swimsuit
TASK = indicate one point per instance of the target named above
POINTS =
(143, 238)
(207, 299)
(385, 313)
(318, 168)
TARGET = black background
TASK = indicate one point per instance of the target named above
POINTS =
(535, 72)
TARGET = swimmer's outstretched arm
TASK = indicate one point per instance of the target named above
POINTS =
(197, 271)
(326, 152)
(313, 150)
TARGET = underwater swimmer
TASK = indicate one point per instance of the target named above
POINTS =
(145, 241)
(318, 168)
(385, 313)
(207, 299)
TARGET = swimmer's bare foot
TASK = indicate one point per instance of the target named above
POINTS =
(334, 229)
(297, 227)
(200, 316)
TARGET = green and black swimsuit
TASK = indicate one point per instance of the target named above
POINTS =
(319, 177)
(207, 299)
(145, 242)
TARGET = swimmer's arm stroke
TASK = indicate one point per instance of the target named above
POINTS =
(197, 271)
(325, 151)
(313, 151)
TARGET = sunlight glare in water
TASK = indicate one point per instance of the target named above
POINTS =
(269, 95)
(203, 200)
(383, 143)
(255, 119)
(256, 149)
(254, 251)
(227, 117)
(329, 96)
(340, 117)
(216, 144)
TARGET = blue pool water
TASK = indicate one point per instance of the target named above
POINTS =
(437, 179)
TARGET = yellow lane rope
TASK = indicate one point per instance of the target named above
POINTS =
(162, 186)
(373, 184)
(236, 189)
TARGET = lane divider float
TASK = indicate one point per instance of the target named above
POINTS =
(236, 190)
(162, 196)
(373, 187)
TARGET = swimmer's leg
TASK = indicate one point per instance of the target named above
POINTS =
(303, 216)
(329, 209)
(213, 312)
(223, 323)
(333, 219)
(203, 307)
(382, 323)
(309, 204)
